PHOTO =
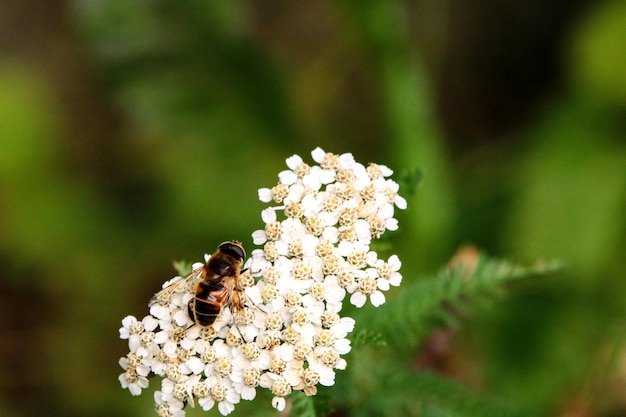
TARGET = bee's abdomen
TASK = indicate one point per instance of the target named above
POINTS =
(203, 312)
(208, 302)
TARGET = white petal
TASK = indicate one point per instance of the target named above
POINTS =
(347, 160)
(170, 348)
(287, 177)
(282, 248)
(254, 293)
(259, 237)
(248, 393)
(362, 179)
(345, 248)
(295, 194)
(326, 176)
(400, 202)
(221, 349)
(327, 379)
(342, 346)
(331, 234)
(348, 323)
(383, 284)
(266, 380)
(145, 353)
(129, 321)
(134, 341)
(279, 402)
(309, 243)
(187, 343)
(377, 299)
(143, 370)
(310, 204)
(395, 279)
(265, 195)
(380, 199)
(358, 299)
(372, 273)
(385, 170)
(123, 380)
(312, 181)
(134, 389)
(334, 294)
(372, 258)
(206, 403)
(328, 218)
(362, 229)
(225, 407)
(232, 396)
(394, 262)
(150, 323)
(123, 361)
(143, 382)
(161, 337)
(195, 364)
(386, 211)
(159, 311)
(268, 215)
(392, 224)
(293, 161)
(318, 155)
(182, 318)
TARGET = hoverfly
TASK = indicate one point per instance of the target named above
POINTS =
(217, 285)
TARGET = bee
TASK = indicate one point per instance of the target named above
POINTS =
(217, 285)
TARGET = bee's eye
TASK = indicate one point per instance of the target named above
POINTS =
(233, 249)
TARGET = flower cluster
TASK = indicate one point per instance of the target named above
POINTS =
(290, 334)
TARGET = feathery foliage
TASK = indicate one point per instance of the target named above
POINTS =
(384, 377)
(422, 305)
(302, 405)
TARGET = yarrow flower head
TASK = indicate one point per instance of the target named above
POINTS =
(273, 323)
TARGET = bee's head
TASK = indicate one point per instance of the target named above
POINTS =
(233, 248)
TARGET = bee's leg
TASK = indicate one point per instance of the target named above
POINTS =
(232, 313)
(250, 302)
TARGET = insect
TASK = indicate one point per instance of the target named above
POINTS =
(217, 285)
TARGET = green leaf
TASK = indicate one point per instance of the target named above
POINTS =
(435, 396)
(183, 268)
(421, 306)
(302, 405)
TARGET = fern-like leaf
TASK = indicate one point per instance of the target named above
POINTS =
(302, 405)
(436, 301)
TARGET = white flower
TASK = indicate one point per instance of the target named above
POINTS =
(326, 374)
(368, 286)
(222, 392)
(135, 376)
(316, 236)
(132, 329)
(173, 408)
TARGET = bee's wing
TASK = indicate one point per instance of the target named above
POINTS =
(163, 296)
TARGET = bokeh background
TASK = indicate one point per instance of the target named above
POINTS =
(134, 134)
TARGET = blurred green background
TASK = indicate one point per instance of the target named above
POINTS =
(133, 134)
